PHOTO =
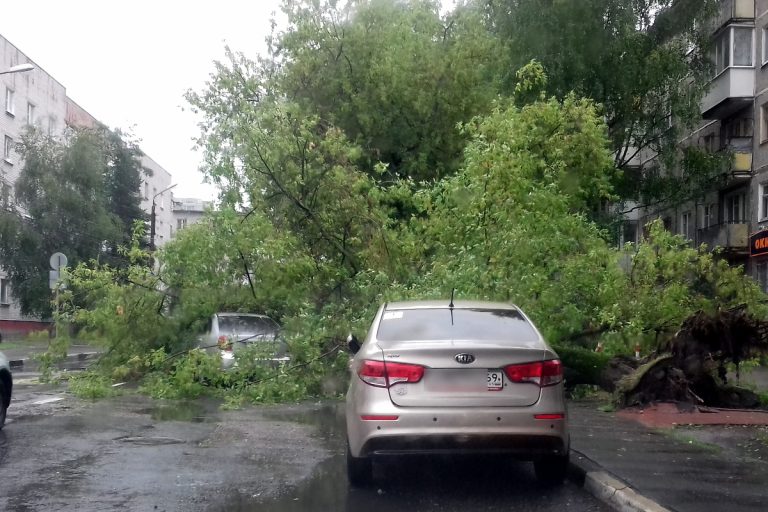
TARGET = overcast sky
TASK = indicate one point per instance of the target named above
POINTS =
(129, 63)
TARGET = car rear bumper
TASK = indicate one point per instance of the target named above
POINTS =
(445, 430)
(519, 445)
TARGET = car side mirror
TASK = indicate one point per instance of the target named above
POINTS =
(353, 344)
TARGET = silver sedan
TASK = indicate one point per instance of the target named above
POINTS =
(455, 378)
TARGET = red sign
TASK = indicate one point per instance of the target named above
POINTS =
(758, 243)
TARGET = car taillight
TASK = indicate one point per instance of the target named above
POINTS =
(224, 344)
(542, 373)
(384, 375)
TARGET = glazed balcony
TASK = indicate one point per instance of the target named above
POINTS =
(732, 236)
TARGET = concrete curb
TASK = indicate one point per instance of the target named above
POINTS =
(18, 364)
(607, 488)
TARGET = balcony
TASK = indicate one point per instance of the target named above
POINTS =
(731, 91)
(741, 148)
(731, 236)
(734, 10)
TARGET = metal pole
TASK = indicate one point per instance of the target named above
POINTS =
(152, 227)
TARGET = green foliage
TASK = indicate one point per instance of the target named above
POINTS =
(354, 171)
(55, 353)
(90, 385)
(585, 365)
(395, 76)
(509, 226)
(661, 52)
(87, 170)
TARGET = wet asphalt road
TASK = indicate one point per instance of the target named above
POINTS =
(133, 453)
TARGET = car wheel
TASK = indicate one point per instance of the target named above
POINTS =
(359, 470)
(551, 469)
(3, 406)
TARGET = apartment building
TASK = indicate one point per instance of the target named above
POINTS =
(36, 98)
(734, 214)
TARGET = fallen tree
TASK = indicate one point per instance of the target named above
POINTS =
(693, 366)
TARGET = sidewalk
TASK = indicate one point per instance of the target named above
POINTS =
(21, 356)
(668, 465)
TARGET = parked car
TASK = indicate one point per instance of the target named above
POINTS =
(455, 378)
(6, 388)
(228, 333)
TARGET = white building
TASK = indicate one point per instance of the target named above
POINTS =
(188, 211)
(155, 187)
(36, 98)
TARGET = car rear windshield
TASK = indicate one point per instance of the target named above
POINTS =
(459, 324)
(247, 325)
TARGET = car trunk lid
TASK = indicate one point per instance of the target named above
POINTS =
(463, 374)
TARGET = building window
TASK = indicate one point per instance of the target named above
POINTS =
(146, 190)
(629, 232)
(30, 114)
(709, 143)
(765, 45)
(764, 122)
(4, 291)
(733, 47)
(9, 101)
(686, 225)
(181, 224)
(742, 46)
(7, 149)
(708, 218)
(734, 208)
(762, 214)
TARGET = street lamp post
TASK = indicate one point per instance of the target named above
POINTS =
(18, 69)
(152, 218)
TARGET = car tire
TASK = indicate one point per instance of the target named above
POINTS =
(551, 469)
(3, 404)
(359, 470)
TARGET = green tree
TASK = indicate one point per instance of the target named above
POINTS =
(644, 61)
(122, 184)
(509, 226)
(395, 76)
(236, 262)
(90, 171)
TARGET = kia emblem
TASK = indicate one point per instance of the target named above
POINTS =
(464, 358)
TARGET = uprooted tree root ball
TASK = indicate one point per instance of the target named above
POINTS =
(692, 367)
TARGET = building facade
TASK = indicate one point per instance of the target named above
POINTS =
(36, 98)
(156, 183)
(734, 214)
(188, 211)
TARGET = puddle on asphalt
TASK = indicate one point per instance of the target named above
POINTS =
(327, 419)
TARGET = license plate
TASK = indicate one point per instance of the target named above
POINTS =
(495, 380)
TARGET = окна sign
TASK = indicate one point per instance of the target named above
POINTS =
(758, 243)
